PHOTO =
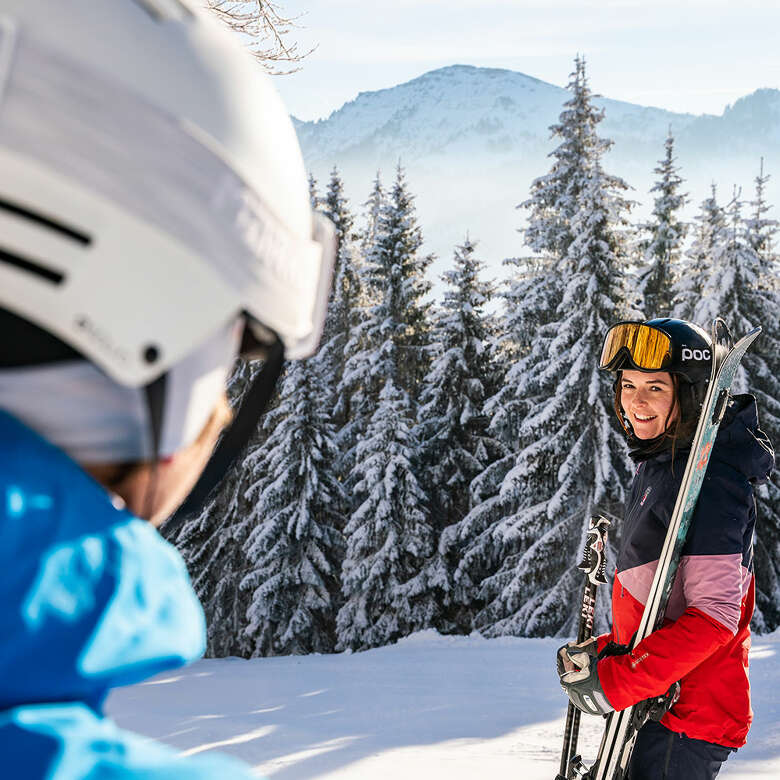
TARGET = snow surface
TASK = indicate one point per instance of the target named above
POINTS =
(428, 707)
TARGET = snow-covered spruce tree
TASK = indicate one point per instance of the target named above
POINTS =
(390, 582)
(662, 248)
(570, 459)
(708, 235)
(372, 208)
(295, 546)
(741, 287)
(314, 197)
(388, 371)
(762, 231)
(392, 288)
(345, 301)
(573, 428)
(451, 426)
(731, 284)
(395, 272)
(454, 445)
(533, 293)
(358, 387)
(763, 373)
(212, 543)
(530, 301)
(216, 563)
(529, 297)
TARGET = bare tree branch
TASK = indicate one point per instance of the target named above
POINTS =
(266, 28)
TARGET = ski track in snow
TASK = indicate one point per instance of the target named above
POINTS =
(429, 707)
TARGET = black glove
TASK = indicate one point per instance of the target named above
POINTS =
(658, 706)
(578, 671)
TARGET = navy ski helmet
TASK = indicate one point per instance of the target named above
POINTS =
(681, 348)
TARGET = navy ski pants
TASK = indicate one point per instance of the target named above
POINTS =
(661, 754)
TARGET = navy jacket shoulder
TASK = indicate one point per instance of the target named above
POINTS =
(725, 513)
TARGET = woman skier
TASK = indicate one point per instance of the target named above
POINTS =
(155, 223)
(662, 369)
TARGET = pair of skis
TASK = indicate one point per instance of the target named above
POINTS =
(622, 727)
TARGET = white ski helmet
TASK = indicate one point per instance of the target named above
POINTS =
(152, 190)
(151, 185)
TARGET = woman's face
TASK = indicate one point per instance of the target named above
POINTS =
(647, 399)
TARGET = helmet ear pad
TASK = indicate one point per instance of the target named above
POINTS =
(690, 397)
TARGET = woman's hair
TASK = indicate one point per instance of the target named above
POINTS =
(677, 432)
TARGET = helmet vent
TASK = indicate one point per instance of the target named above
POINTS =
(52, 224)
(22, 263)
(151, 354)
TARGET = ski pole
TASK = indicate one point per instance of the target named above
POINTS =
(594, 565)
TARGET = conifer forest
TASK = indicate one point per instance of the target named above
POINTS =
(436, 463)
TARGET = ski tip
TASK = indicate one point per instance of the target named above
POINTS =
(723, 342)
(721, 335)
(749, 337)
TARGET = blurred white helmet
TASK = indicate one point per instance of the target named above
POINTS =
(152, 190)
(151, 185)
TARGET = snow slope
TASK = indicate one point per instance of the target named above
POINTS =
(429, 707)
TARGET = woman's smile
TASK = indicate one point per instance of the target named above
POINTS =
(648, 400)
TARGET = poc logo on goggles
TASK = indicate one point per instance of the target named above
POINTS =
(695, 354)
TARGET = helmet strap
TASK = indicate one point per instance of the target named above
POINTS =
(233, 441)
(155, 404)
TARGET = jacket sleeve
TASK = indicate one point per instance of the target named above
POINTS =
(661, 659)
(603, 640)
(713, 581)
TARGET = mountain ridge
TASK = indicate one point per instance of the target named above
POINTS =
(473, 139)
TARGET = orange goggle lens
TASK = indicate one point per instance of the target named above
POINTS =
(650, 349)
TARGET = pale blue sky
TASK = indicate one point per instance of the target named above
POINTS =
(684, 55)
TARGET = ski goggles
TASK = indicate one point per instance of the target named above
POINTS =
(647, 348)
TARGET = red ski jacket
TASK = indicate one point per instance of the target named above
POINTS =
(705, 638)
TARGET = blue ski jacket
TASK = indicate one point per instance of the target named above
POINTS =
(90, 598)
(705, 638)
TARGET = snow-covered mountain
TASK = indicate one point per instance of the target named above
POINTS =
(462, 109)
(472, 140)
